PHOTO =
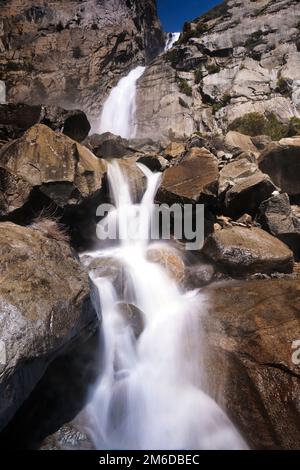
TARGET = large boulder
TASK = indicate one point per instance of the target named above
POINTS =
(50, 165)
(282, 162)
(15, 119)
(235, 140)
(244, 251)
(44, 307)
(242, 187)
(248, 346)
(108, 145)
(194, 179)
(276, 216)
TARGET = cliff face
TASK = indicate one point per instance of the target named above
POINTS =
(70, 53)
(240, 57)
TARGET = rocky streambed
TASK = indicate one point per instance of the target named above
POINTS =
(248, 328)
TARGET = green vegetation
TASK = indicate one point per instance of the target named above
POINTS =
(16, 66)
(189, 32)
(77, 54)
(216, 12)
(283, 87)
(256, 124)
(213, 68)
(198, 75)
(184, 87)
(175, 56)
(221, 104)
(254, 40)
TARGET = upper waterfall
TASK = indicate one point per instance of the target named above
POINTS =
(118, 113)
(171, 39)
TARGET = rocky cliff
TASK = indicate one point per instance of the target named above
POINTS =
(240, 57)
(70, 53)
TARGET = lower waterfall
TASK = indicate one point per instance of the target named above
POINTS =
(146, 396)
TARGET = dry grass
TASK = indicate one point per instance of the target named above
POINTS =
(51, 228)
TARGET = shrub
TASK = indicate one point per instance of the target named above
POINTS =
(213, 68)
(201, 28)
(255, 124)
(175, 56)
(216, 12)
(293, 127)
(51, 228)
(254, 40)
(283, 87)
(184, 87)
(77, 54)
(198, 75)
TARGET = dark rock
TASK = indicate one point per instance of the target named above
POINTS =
(276, 216)
(244, 251)
(108, 145)
(282, 163)
(261, 141)
(247, 349)
(15, 119)
(242, 187)
(154, 162)
(45, 305)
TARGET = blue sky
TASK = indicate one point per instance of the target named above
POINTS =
(173, 13)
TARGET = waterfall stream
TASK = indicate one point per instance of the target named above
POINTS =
(171, 39)
(119, 109)
(148, 395)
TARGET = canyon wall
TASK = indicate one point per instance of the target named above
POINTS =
(238, 58)
(71, 53)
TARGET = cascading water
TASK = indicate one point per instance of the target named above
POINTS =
(119, 109)
(146, 397)
(171, 39)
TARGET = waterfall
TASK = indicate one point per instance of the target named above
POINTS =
(171, 39)
(147, 395)
(119, 109)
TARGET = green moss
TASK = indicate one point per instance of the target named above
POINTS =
(184, 87)
(256, 124)
(213, 68)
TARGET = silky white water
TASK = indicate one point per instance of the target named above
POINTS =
(171, 39)
(118, 111)
(147, 396)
